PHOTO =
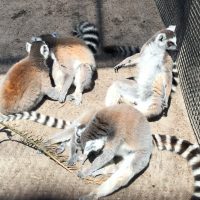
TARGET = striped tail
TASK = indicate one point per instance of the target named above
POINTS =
(89, 33)
(121, 51)
(36, 117)
(175, 78)
(189, 151)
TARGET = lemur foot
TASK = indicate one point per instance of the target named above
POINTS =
(76, 100)
(61, 148)
(62, 98)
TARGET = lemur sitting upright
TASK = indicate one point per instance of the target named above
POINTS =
(27, 81)
(150, 91)
(73, 60)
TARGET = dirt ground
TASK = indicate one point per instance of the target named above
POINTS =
(25, 174)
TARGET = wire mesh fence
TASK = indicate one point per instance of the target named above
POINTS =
(186, 14)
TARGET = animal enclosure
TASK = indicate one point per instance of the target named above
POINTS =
(28, 175)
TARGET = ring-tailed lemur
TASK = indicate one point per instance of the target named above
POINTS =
(74, 61)
(27, 81)
(151, 89)
(107, 130)
(123, 131)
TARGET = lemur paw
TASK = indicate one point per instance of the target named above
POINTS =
(61, 148)
(81, 175)
(76, 100)
(116, 68)
(62, 98)
(71, 162)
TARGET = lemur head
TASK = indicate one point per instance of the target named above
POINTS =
(79, 129)
(166, 38)
(48, 38)
(95, 145)
(37, 49)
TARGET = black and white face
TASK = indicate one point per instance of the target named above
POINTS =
(78, 132)
(167, 39)
(44, 50)
(171, 44)
(38, 46)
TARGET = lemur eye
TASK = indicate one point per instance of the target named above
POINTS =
(161, 38)
(78, 140)
(169, 43)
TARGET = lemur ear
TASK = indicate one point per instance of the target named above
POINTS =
(28, 47)
(54, 34)
(35, 39)
(161, 37)
(172, 28)
(44, 50)
(79, 129)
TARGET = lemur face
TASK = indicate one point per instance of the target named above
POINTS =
(171, 44)
(38, 48)
(78, 132)
(167, 38)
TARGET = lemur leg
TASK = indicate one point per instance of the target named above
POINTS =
(82, 81)
(167, 82)
(108, 169)
(122, 91)
(131, 165)
(61, 148)
(62, 136)
(98, 163)
(73, 158)
(132, 60)
(52, 93)
(158, 101)
(68, 82)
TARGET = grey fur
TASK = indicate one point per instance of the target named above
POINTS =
(150, 91)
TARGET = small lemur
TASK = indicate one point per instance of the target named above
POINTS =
(151, 89)
(122, 131)
(74, 61)
(27, 81)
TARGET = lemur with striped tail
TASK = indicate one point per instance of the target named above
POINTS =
(122, 131)
(119, 130)
(151, 89)
(27, 81)
(74, 61)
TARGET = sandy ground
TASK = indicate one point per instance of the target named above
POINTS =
(28, 175)
(25, 174)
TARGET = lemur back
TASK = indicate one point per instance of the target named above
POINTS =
(151, 89)
(27, 82)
